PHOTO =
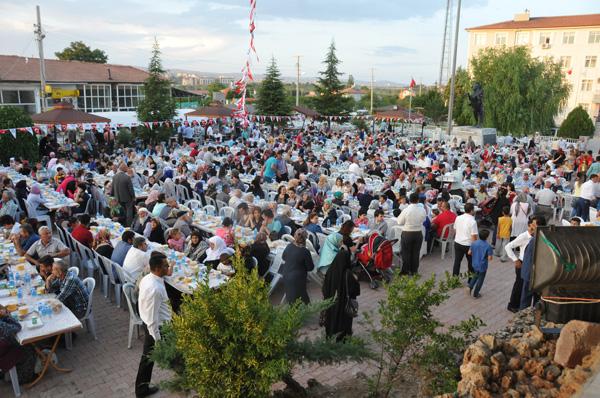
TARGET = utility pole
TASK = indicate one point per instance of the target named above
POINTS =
(446, 43)
(372, 78)
(39, 35)
(298, 80)
(453, 81)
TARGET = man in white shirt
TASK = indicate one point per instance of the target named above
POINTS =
(411, 219)
(155, 310)
(136, 259)
(588, 194)
(520, 242)
(466, 230)
(355, 168)
(545, 199)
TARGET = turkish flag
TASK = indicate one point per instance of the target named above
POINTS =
(412, 83)
(570, 71)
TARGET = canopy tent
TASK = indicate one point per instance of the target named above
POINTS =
(64, 113)
(306, 111)
(213, 110)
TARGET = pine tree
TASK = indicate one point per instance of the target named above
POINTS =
(350, 82)
(578, 123)
(157, 104)
(272, 98)
(329, 100)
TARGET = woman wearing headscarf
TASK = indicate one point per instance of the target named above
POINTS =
(21, 193)
(298, 262)
(260, 251)
(519, 212)
(341, 283)
(216, 247)
(155, 232)
(329, 250)
(35, 201)
(102, 243)
(196, 248)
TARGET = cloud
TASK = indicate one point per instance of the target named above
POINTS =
(390, 51)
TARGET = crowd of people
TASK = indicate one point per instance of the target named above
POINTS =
(487, 200)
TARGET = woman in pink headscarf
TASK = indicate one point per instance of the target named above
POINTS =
(35, 200)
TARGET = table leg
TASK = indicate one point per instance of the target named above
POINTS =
(47, 359)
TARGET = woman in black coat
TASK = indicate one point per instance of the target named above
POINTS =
(298, 262)
(340, 282)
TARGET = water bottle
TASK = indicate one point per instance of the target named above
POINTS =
(328, 224)
(27, 279)
(338, 222)
(20, 294)
(33, 291)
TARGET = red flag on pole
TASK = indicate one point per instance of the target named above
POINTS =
(413, 83)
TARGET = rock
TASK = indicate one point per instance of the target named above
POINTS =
(507, 380)
(576, 340)
(498, 363)
(473, 377)
(489, 340)
(552, 372)
(515, 363)
(523, 388)
(523, 347)
(511, 394)
(540, 383)
(533, 367)
(521, 376)
(481, 393)
(535, 336)
(477, 353)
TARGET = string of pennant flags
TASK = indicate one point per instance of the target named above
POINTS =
(241, 111)
(46, 128)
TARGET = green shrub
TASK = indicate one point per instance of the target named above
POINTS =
(124, 137)
(234, 343)
(577, 123)
(154, 135)
(25, 145)
(410, 337)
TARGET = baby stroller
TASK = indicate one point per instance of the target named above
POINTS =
(484, 217)
(375, 258)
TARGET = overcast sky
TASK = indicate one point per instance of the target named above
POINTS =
(399, 39)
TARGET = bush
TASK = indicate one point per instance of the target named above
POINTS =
(25, 145)
(577, 123)
(235, 344)
(124, 137)
(154, 135)
(409, 336)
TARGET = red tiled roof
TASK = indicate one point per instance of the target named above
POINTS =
(22, 69)
(65, 114)
(564, 21)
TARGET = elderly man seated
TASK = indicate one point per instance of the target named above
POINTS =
(68, 288)
(46, 245)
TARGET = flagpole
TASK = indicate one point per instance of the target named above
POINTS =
(409, 103)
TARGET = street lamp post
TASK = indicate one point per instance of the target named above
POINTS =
(453, 81)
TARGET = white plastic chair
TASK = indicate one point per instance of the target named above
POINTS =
(124, 277)
(220, 204)
(346, 217)
(134, 317)
(286, 230)
(32, 213)
(274, 271)
(287, 238)
(193, 204)
(74, 270)
(210, 210)
(271, 196)
(14, 379)
(226, 211)
(88, 318)
(447, 231)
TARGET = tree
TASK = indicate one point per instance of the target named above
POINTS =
(157, 104)
(329, 99)
(522, 94)
(432, 103)
(79, 51)
(577, 123)
(350, 82)
(462, 114)
(215, 87)
(272, 99)
(231, 341)
(24, 145)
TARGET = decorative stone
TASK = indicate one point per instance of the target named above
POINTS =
(576, 341)
(552, 372)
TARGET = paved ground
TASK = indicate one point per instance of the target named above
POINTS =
(106, 368)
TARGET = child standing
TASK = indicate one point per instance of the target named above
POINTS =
(503, 234)
(481, 252)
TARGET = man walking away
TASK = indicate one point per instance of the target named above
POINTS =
(155, 310)
(465, 228)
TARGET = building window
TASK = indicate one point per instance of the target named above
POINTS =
(128, 96)
(586, 85)
(480, 39)
(568, 37)
(96, 98)
(565, 62)
(594, 37)
(544, 38)
(24, 99)
(522, 38)
(590, 61)
(500, 39)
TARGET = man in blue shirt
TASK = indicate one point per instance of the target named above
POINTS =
(122, 247)
(481, 252)
(25, 239)
(270, 169)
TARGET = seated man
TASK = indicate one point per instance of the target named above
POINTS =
(69, 288)
(25, 239)
(122, 247)
(46, 245)
(9, 225)
(137, 258)
(45, 268)
(81, 232)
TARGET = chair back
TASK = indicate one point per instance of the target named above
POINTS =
(286, 229)
(226, 211)
(123, 275)
(288, 238)
(131, 297)
(74, 270)
(193, 204)
(90, 284)
(210, 210)
(220, 204)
